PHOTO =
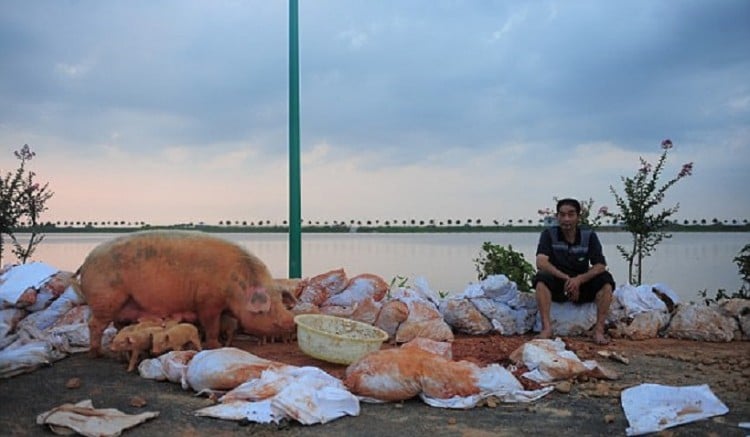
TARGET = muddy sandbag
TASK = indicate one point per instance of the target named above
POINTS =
(424, 320)
(463, 316)
(223, 369)
(360, 287)
(740, 310)
(434, 329)
(641, 326)
(549, 360)
(413, 369)
(391, 315)
(367, 311)
(319, 288)
(703, 323)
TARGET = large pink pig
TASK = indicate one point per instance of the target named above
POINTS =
(180, 274)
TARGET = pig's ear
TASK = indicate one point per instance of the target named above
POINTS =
(288, 299)
(258, 300)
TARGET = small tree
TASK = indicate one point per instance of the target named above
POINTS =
(495, 260)
(22, 200)
(642, 195)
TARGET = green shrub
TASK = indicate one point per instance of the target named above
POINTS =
(497, 260)
(743, 264)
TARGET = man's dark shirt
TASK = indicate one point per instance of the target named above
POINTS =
(570, 263)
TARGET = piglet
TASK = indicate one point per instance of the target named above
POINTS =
(175, 338)
(135, 340)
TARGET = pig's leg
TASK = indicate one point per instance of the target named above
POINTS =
(211, 325)
(134, 355)
(96, 331)
(102, 313)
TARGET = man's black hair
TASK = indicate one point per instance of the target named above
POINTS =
(568, 201)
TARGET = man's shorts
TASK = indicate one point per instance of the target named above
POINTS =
(587, 292)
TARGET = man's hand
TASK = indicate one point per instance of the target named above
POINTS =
(573, 288)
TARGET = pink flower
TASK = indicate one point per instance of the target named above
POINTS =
(645, 166)
(687, 170)
(666, 144)
(603, 210)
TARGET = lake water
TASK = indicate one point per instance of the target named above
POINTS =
(687, 263)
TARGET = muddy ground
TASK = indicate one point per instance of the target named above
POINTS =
(590, 407)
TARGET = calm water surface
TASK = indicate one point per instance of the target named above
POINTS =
(688, 262)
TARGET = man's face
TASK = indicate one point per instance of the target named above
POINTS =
(567, 217)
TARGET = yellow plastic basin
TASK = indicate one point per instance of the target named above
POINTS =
(335, 339)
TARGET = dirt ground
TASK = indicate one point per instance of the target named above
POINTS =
(589, 407)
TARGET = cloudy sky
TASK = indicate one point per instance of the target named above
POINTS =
(177, 111)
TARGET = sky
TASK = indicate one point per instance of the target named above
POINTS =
(177, 111)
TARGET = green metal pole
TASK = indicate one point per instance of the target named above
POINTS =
(295, 218)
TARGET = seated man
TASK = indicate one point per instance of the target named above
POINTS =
(571, 267)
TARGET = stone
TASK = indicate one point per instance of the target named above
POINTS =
(563, 387)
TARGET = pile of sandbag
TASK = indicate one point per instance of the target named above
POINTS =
(492, 305)
(641, 312)
(425, 368)
(42, 318)
(405, 312)
(248, 387)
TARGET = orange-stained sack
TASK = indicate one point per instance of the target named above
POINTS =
(391, 315)
(358, 289)
(400, 374)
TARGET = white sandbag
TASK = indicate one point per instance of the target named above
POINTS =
(15, 281)
(69, 339)
(223, 369)
(171, 366)
(503, 318)
(654, 407)
(570, 319)
(668, 292)
(152, 368)
(496, 287)
(419, 290)
(703, 323)
(524, 300)
(9, 319)
(22, 357)
(46, 317)
(549, 360)
(639, 299)
(305, 394)
(499, 288)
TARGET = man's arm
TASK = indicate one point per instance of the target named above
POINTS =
(592, 272)
(543, 264)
